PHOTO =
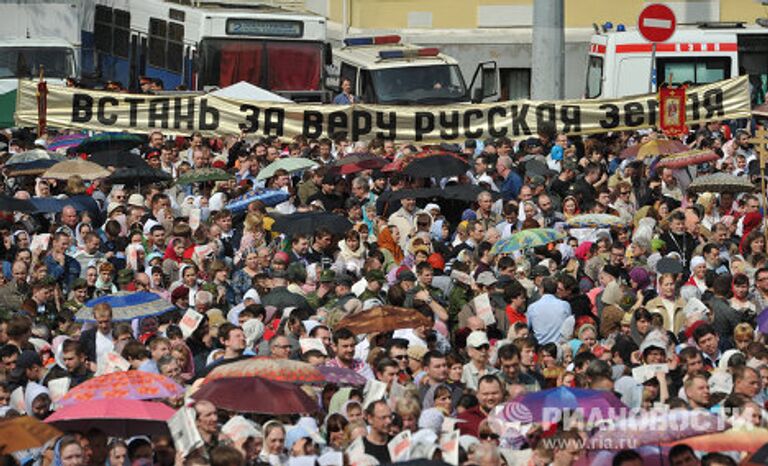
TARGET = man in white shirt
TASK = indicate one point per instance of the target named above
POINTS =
(478, 348)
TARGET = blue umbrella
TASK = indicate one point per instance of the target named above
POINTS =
(34, 167)
(270, 197)
(126, 306)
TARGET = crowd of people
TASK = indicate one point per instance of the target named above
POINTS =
(676, 283)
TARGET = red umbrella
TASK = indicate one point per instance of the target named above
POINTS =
(687, 158)
(280, 370)
(123, 418)
(133, 385)
(354, 163)
(256, 395)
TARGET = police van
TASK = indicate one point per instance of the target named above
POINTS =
(383, 70)
(619, 62)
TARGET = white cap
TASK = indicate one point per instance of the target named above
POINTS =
(477, 339)
(136, 200)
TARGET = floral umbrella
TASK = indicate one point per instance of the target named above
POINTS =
(596, 221)
(279, 370)
(525, 239)
(128, 385)
(342, 376)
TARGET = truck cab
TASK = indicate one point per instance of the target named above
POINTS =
(619, 63)
(23, 58)
(383, 70)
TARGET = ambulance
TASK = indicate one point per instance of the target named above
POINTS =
(383, 70)
(619, 62)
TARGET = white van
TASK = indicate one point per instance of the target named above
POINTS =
(619, 62)
(382, 70)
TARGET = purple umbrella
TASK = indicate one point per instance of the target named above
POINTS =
(654, 428)
(762, 321)
(554, 404)
(342, 376)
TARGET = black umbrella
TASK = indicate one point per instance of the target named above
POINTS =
(139, 175)
(11, 204)
(307, 223)
(109, 141)
(537, 167)
(437, 166)
(419, 193)
(117, 159)
(465, 192)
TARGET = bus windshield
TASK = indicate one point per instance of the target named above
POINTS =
(432, 84)
(271, 65)
(24, 62)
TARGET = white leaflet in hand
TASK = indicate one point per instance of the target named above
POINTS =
(400, 447)
(194, 218)
(17, 400)
(189, 322)
(332, 458)
(374, 390)
(646, 372)
(185, 436)
(112, 362)
(58, 388)
(483, 309)
(396, 391)
(356, 450)
(449, 444)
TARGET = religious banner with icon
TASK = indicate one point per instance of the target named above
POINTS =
(672, 111)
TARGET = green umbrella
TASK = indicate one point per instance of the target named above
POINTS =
(290, 164)
(525, 239)
(199, 175)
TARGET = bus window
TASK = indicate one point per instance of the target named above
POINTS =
(294, 66)
(121, 33)
(594, 77)
(157, 38)
(102, 29)
(175, 58)
(696, 70)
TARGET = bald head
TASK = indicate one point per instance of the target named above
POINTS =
(69, 216)
(475, 323)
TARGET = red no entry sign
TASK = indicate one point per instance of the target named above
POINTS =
(657, 23)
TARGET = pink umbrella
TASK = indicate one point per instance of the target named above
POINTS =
(117, 418)
(134, 385)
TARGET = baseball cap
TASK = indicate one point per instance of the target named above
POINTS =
(124, 276)
(406, 276)
(375, 276)
(136, 200)
(486, 279)
(344, 279)
(477, 339)
(537, 180)
(327, 276)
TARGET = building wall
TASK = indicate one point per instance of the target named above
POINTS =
(470, 14)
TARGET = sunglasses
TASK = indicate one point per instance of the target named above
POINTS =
(488, 436)
(402, 357)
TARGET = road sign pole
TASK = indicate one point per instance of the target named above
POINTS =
(653, 69)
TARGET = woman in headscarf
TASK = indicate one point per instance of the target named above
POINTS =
(698, 268)
(134, 257)
(37, 401)
(273, 451)
(68, 452)
(352, 252)
(188, 278)
(389, 244)
(104, 283)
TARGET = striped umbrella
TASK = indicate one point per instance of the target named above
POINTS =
(126, 306)
(526, 239)
(66, 141)
(596, 221)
